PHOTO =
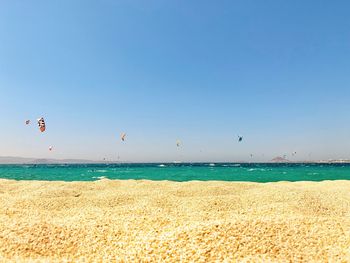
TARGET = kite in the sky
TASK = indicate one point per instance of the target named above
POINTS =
(178, 143)
(240, 138)
(122, 136)
(41, 124)
(50, 148)
(27, 122)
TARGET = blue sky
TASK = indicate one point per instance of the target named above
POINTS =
(276, 72)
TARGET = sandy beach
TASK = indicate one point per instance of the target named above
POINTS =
(133, 221)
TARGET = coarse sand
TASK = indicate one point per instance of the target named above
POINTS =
(162, 221)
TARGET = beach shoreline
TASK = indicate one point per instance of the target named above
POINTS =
(131, 220)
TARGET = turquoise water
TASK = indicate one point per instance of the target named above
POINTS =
(178, 172)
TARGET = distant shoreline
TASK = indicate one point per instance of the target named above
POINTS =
(172, 163)
(26, 161)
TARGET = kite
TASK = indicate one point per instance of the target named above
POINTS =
(41, 124)
(178, 143)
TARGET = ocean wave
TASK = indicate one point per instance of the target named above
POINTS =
(99, 177)
(257, 169)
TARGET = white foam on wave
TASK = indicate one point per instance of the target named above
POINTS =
(161, 165)
(256, 169)
(99, 177)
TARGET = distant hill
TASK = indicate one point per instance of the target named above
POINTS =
(21, 160)
(279, 159)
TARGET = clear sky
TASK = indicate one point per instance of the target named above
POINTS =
(276, 72)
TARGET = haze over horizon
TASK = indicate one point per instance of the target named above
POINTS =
(274, 72)
(33, 160)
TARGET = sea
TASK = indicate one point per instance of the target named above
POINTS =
(247, 172)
